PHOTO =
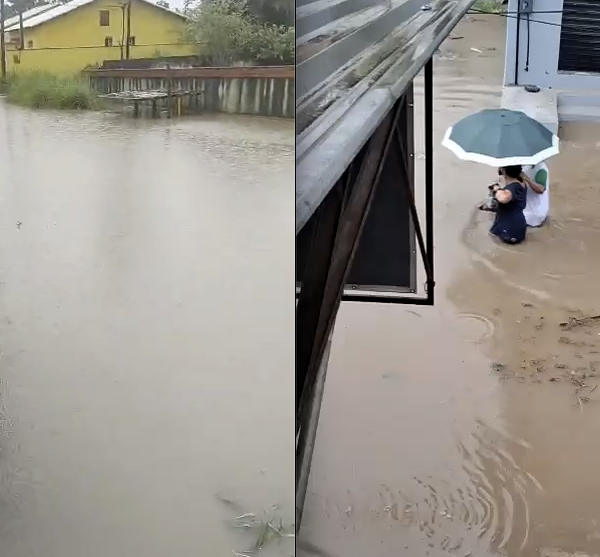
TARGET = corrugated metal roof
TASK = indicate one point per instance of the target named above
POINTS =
(26, 15)
(354, 59)
(37, 16)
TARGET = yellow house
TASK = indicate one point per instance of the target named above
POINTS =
(66, 38)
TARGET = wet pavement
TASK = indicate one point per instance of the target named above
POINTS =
(469, 429)
(146, 393)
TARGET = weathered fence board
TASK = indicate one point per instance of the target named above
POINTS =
(255, 90)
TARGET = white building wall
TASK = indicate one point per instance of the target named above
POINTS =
(544, 41)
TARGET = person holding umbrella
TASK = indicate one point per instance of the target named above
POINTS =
(509, 224)
(508, 139)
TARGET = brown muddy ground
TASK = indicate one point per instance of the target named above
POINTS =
(470, 428)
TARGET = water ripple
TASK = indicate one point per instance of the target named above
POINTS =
(487, 506)
(480, 504)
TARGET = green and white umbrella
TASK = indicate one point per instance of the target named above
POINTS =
(500, 137)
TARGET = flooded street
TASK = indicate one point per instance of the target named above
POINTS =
(145, 290)
(469, 429)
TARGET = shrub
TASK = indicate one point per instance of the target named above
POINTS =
(45, 90)
(489, 6)
(228, 33)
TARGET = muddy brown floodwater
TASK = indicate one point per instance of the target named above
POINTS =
(146, 334)
(470, 428)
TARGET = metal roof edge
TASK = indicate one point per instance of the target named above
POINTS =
(327, 145)
(57, 10)
(28, 14)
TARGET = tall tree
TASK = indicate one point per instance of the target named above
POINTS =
(227, 33)
(280, 12)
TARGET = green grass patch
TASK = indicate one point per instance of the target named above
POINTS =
(489, 7)
(45, 90)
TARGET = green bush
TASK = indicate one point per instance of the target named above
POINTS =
(489, 6)
(45, 90)
(227, 33)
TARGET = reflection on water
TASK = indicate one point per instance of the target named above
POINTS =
(144, 300)
(468, 429)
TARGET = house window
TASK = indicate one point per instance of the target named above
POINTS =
(16, 59)
(104, 18)
(131, 41)
(29, 44)
(108, 41)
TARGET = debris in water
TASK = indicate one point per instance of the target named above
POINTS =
(247, 515)
(267, 528)
(473, 49)
(413, 312)
(230, 503)
(312, 549)
(581, 400)
(578, 322)
(19, 223)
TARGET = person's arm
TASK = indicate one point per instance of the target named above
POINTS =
(503, 195)
(539, 184)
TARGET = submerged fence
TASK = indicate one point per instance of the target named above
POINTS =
(255, 90)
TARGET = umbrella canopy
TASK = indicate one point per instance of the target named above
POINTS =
(500, 137)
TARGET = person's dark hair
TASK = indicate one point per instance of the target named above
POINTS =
(513, 171)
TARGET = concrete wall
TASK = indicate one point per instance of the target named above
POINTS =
(260, 91)
(544, 43)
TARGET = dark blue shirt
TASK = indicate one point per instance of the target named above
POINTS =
(510, 224)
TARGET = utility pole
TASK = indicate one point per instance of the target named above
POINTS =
(2, 43)
(128, 41)
(21, 32)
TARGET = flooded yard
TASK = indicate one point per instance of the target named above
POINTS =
(468, 429)
(146, 335)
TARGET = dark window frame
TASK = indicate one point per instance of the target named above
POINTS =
(104, 18)
(131, 40)
(108, 42)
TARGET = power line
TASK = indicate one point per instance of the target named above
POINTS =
(100, 47)
(531, 12)
(578, 26)
(507, 16)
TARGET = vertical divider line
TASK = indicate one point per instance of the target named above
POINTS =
(429, 229)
